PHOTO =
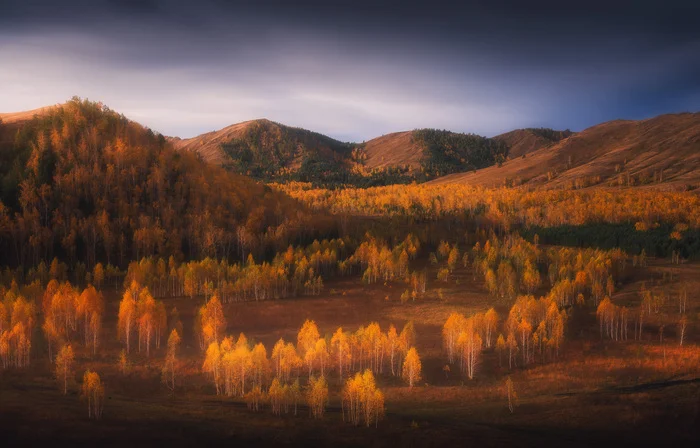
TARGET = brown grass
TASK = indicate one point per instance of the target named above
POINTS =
(666, 142)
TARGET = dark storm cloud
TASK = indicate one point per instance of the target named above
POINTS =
(355, 69)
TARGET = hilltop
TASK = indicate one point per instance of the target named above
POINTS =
(81, 175)
(525, 141)
(269, 151)
(661, 152)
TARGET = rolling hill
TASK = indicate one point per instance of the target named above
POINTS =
(267, 150)
(271, 151)
(393, 150)
(524, 141)
(661, 152)
(80, 175)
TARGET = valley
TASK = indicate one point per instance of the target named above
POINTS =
(219, 302)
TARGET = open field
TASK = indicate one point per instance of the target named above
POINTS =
(597, 392)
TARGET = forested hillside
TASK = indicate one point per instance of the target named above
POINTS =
(449, 152)
(270, 151)
(84, 183)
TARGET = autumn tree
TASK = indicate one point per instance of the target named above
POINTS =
(93, 392)
(170, 367)
(489, 325)
(90, 307)
(362, 401)
(317, 396)
(510, 394)
(450, 333)
(255, 398)
(411, 367)
(276, 394)
(128, 314)
(341, 349)
(212, 365)
(260, 369)
(213, 321)
(64, 367)
(307, 337)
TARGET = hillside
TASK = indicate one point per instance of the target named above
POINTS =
(269, 151)
(661, 152)
(393, 150)
(525, 141)
(430, 153)
(14, 117)
(84, 183)
(10, 122)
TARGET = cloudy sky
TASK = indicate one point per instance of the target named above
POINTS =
(355, 69)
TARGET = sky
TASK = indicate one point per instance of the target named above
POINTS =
(356, 69)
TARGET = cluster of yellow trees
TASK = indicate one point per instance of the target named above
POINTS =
(464, 338)
(292, 272)
(17, 318)
(69, 316)
(238, 369)
(378, 262)
(367, 348)
(615, 320)
(510, 266)
(141, 315)
(68, 313)
(505, 206)
(449, 255)
(37, 277)
(98, 187)
(534, 327)
(362, 401)
(92, 389)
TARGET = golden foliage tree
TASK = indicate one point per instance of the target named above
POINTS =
(93, 392)
(170, 367)
(411, 371)
(317, 396)
(64, 367)
(362, 401)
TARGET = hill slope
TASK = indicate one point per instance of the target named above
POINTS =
(86, 184)
(525, 141)
(430, 153)
(663, 151)
(268, 150)
(393, 150)
(271, 151)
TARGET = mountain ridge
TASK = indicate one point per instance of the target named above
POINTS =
(662, 151)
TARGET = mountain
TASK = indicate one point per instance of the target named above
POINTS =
(12, 121)
(271, 151)
(662, 152)
(267, 150)
(16, 117)
(84, 183)
(525, 141)
(393, 150)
